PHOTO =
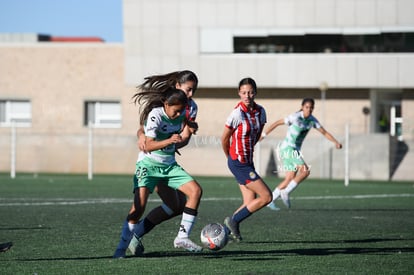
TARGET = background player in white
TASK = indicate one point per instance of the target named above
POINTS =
(296, 170)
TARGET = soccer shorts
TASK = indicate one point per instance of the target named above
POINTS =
(149, 174)
(243, 172)
(290, 158)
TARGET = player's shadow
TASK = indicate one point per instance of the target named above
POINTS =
(255, 255)
(270, 254)
(64, 259)
(369, 240)
(353, 210)
(263, 255)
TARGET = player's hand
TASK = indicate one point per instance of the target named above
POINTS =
(176, 138)
(141, 144)
(193, 126)
(338, 145)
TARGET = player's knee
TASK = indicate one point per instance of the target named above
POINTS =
(267, 198)
(197, 191)
(192, 190)
(305, 172)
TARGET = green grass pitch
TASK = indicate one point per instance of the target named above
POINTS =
(62, 224)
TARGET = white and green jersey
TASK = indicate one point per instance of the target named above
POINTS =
(160, 127)
(298, 129)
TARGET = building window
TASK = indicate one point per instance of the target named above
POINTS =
(103, 114)
(18, 112)
(400, 42)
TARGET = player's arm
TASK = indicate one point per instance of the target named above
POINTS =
(225, 140)
(151, 144)
(272, 126)
(185, 137)
(190, 128)
(141, 138)
(330, 137)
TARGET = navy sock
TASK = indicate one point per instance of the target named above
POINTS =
(241, 215)
(143, 227)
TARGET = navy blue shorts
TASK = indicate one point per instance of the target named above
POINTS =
(243, 172)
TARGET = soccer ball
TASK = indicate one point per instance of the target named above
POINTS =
(214, 236)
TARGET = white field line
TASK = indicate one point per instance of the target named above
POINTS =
(68, 201)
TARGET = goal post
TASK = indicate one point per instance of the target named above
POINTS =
(13, 150)
(90, 150)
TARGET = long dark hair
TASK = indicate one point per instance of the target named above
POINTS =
(162, 82)
(153, 91)
(149, 100)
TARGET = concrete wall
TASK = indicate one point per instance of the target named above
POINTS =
(324, 160)
(166, 35)
(58, 79)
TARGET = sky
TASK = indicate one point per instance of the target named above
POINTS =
(98, 18)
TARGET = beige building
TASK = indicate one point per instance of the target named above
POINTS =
(51, 90)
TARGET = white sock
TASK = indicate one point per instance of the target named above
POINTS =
(126, 235)
(187, 222)
(276, 193)
(291, 186)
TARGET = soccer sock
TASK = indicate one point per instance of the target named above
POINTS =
(187, 222)
(126, 235)
(291, 186)
(143, 227)
(241, 215)
(276, 193)
(160, 214)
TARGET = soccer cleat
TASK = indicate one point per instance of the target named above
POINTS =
(233, 227)
(285, 198)
(272, 206)
(119, 254)
(187, 244)
(135, 246)
(5, 246)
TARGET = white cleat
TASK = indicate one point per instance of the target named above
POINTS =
(272, 206)
(187, 244)
(136, 247)
(285, 198)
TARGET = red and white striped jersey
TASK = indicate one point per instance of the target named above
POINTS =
(246, 125)
(191, 110)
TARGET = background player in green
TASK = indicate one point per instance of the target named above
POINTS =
(296, 170)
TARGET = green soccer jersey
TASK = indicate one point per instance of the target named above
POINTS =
(298, 129)
(160, 127)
